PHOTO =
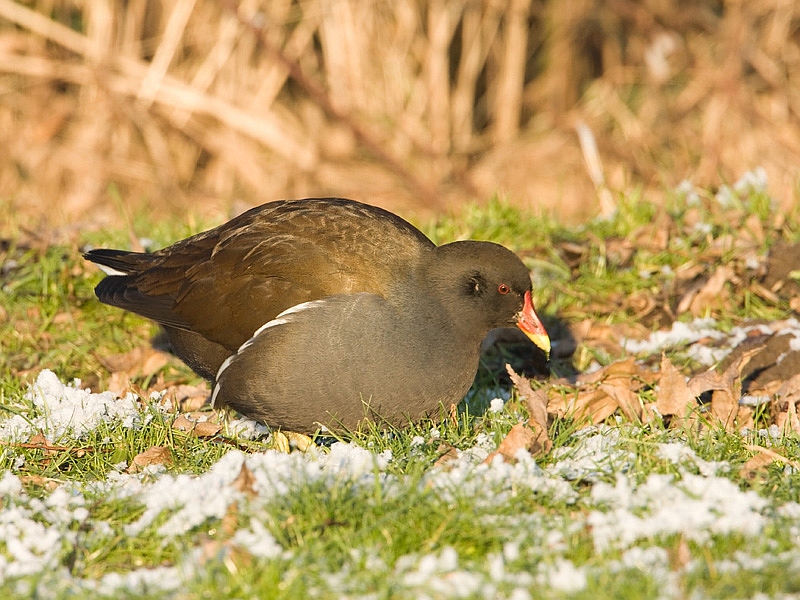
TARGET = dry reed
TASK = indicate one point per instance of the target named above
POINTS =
(410, 104)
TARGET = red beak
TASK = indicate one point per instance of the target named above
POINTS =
(528, 321)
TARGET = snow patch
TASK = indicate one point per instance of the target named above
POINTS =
(67, 410)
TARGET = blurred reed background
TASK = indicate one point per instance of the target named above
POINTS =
(109, 106)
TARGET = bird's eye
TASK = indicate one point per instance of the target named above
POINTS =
(503, 289)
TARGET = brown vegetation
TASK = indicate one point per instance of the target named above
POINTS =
(418, 105)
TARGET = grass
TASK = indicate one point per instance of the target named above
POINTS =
(394, 525)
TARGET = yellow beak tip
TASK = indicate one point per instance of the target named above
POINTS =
(541, 341)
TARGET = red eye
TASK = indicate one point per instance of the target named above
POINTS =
(503, 289)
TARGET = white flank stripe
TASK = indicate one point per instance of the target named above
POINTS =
(282, 319)
(301, 307)
(226, 363)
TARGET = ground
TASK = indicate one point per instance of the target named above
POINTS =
(656, 456)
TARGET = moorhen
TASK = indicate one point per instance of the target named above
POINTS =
(323, 312)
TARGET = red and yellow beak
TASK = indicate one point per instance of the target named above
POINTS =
(528, 321)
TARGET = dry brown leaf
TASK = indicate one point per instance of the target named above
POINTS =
(649, 414)
(607, 337)
(183, 423)
(757, 465)
(535, 400)
(187, 398)
(206, 429)
(725, 407)
(764, 457)
(744, 417)
(711, 294)
(141, 361)
(155, 455)
(197, 424)
(753, 231)
(790, 389)
(537, 406)
(446, 454)
(593, 405)
(726, 388)
(674, 397)
(600, 393)
(521, 436)
(119, 383)
(245, 481)
(655, 235)
(680, 555)
(48, 483)
(230, 524)
(641, 303)
(628, 370)
(39, 440)
(625, 398)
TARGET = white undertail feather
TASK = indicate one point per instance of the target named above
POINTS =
(112, 271)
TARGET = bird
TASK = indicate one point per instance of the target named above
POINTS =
(321, 314)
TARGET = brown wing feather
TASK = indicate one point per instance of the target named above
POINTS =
(227, 282)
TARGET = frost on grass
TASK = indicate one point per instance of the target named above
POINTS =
(685, 335)
(596, 453)
(67, 410)
(693, 505)
(592, 477)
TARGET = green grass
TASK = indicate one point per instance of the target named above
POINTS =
(392, 530)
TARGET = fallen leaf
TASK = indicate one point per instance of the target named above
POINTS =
(641, 303)
(593, 405)
(655, 235)
(245, 481)
(119, 383)
(726, 388)
(155, 455)
(182, 423)
(446, 454)
(764, 457)
(625, 398)
(745, 417)
(757, 465)
(199, 426)
(187, 398)
(674, 398)
(710, 295)
(753, 230)
(790, 389)
(141, 361)
(680, 555)
(607, 337)
(520, 437)
(204, 429)
(299, 441)
(38, 440)
(537, 407)
(622, 368)
(48, 483)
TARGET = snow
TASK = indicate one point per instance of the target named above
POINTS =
(685, 334)
(680, 334)
(67, 410)
(694, 499)
(258, 541)
(695, 506)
